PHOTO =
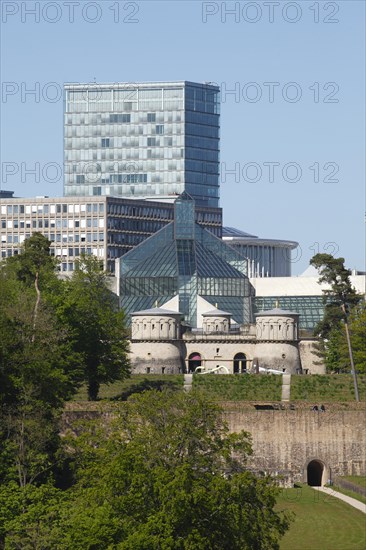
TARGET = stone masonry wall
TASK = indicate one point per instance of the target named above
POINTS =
(285, 441)
(308, 358)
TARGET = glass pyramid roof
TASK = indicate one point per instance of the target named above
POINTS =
(184, 259)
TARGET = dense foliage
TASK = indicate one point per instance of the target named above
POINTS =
(337, 347)
(41, 353)
(165, 474)
(341, 303)
(36, 374)
(97, 326)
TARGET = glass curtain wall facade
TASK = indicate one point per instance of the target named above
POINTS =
(310, 308)
(142, 140)
(186, 260)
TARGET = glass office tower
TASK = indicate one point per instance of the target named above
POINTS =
(147, 140)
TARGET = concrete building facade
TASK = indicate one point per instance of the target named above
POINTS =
(266, 257)
(107, 227)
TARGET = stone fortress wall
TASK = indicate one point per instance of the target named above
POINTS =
(298, 443)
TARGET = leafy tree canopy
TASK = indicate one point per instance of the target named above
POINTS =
(35, 355)
(54, 335)
(341, 302)
(37, 370)
(90, 310)
(341, 292)
(34, 266)
(165, 475)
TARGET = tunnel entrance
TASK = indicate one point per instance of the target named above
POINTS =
(315, 473)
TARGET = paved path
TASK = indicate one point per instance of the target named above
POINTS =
(352, 501)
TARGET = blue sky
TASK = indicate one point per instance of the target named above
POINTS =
(297, 69)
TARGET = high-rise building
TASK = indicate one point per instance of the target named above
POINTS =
(149, 140)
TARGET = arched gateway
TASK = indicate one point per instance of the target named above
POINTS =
(316, 473)
(194, 361)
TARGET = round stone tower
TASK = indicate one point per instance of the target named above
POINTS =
(155, 342)
(216, 320)
(277, 340)
(277, 325)
(155, 324)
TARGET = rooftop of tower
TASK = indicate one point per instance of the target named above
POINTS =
(129, 85)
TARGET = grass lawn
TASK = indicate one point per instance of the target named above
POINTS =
(326, 387)
(357, 480)
(239, 387)
(218, 388)
(136, 383)
(321, 522)
(315, 388)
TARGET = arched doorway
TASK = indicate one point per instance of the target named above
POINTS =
(240, 363)
(315, 470)
(194, 361)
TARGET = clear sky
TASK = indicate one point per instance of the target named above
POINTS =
(292, 130)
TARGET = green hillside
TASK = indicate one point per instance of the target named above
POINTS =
(232, 387)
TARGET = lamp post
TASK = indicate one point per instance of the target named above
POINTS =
(353, 370)
(343, 299)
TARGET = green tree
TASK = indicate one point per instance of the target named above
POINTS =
(339, 299)
(36, 374)
(340, 291)
(167, 474)
(358, 336)
(42, 361)
(26, 514)
(338, 353)
(34, 266)
(99, 335)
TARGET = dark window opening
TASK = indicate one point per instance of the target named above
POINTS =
(240, 363)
